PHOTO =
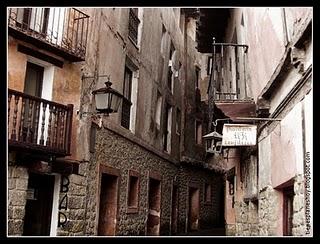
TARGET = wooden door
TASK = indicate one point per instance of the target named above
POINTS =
(174, 210)
(193, 216)
(153, 222)
(108, 205)
(38, 213)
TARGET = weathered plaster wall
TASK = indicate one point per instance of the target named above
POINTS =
(113, 40)
(17, 63)
(193, 110)
(66, 90)
(264, 53)
(66, 82)
(287, 137)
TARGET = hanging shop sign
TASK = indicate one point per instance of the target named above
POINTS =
(239, 135)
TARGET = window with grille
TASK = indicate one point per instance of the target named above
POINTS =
(133, 24)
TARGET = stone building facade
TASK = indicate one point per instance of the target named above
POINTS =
(44, 73)
(151, 151)
(271, 180)
(140, 171)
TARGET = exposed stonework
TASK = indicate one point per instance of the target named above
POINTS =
(113, 150)
(299, 221)
(17, 185)
(268, 214)
(230, 229)
(75, 212)
(246, 219)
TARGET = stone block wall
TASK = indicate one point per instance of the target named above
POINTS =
(17, 192)
(268, 212)
(246, 219)
(117, 152)
(76, 203)
(209, 213)
(299, 217)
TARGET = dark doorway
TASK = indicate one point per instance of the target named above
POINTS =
(193, 212)
(108, 205)
(153, 223)
(37, 220)
(288, 194)
(174, 210)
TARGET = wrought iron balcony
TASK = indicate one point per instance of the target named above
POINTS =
(228, 72)
(38, 125)
(63, 31)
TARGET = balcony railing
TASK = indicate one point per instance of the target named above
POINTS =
(228, 72)
(64, 30)
(38, 125)
(133, 24)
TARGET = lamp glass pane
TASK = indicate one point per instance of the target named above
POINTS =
(115, 102)
(101, 100)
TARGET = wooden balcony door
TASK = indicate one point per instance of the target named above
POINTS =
(33, 80)
(33, 19)
(32, 86)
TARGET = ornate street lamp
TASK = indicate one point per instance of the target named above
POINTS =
(213, 141)
(107, 99)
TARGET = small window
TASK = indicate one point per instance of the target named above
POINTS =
(209, 65)
(197, 77)
(242, 21)
(172, 49)
(158, 110)
(207, 193)
(182, 21)
(172, 56)
(133, 24)
(167, 129)
(178, 122)
(198, 132)
(170, 74)
(133, 192)
(163, 36)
